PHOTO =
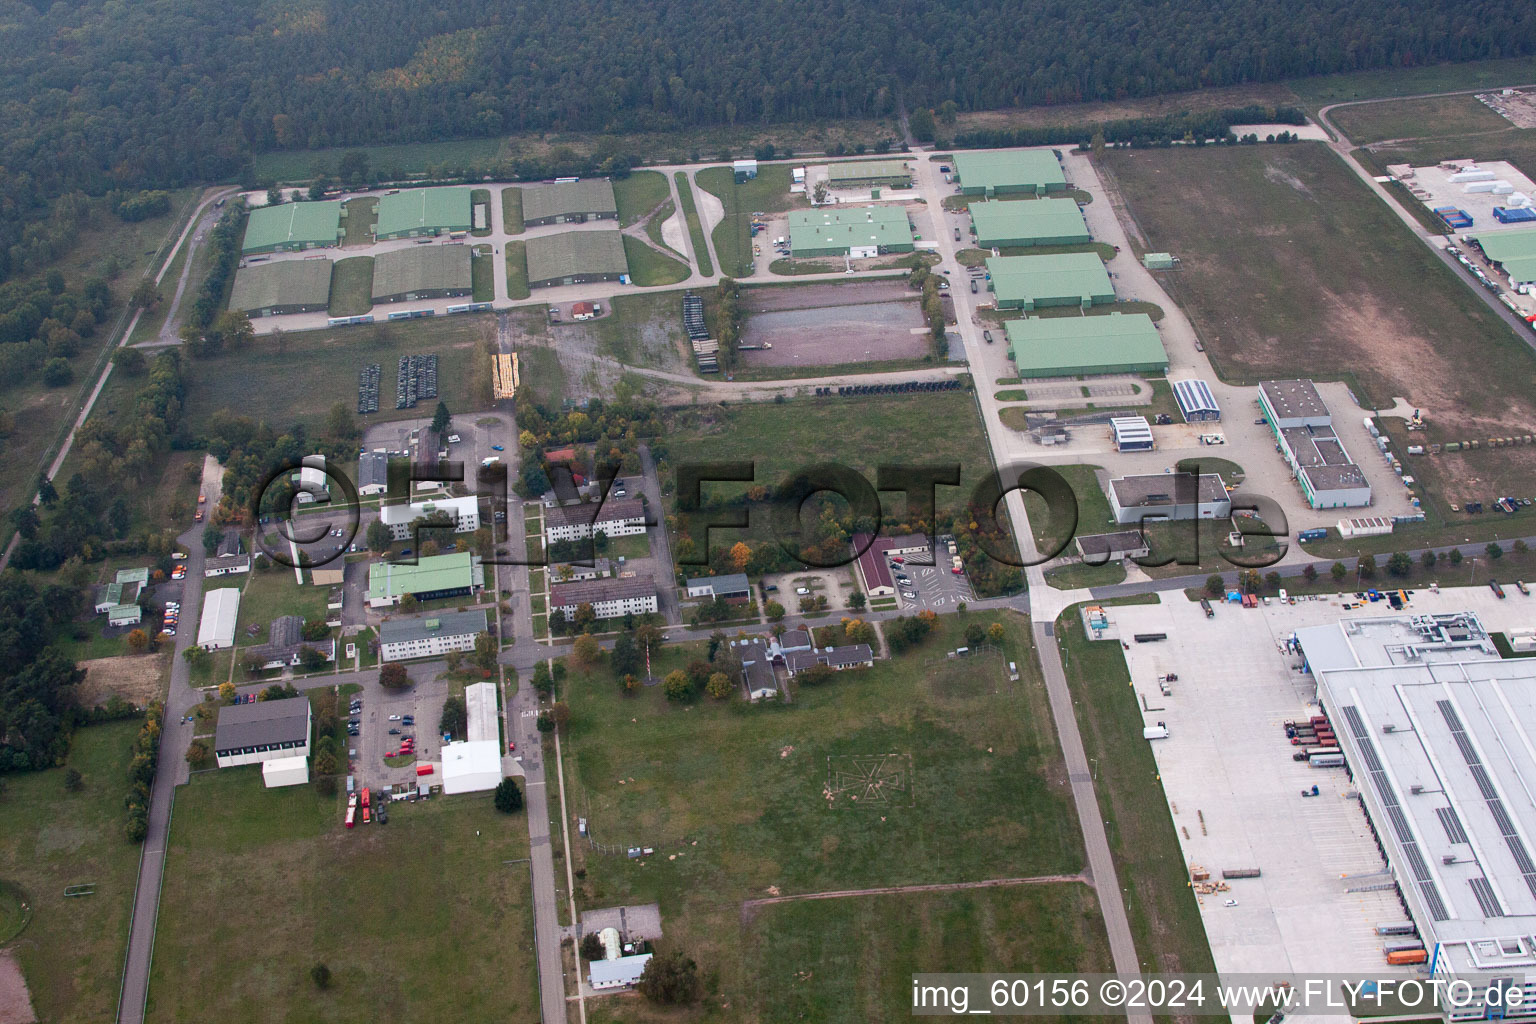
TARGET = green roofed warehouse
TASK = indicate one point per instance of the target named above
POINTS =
(422, 272)
(891, 173)
(569, 202)
(859, 232)
(416, 212)
(291, 227)
(288, 286)
(576, 257)
(1514, 252)
(433, 576)
(1075, 346)
(1013, 170)
(1033, 282)
(1006, 225)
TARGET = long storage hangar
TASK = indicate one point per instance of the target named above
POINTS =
(576, 257)
(289, 286)
(1513, 252)
(887, 173)
(1081, 346)
(1005, 225)
(859, 232)
(1005, 171)
(569, 202)
(422, 272)
(417, 212)
(292, 227)
(1033, 282)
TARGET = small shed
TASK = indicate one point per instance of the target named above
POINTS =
(1132, 433)
(285, 771)
(744, 170)
(1158, 261)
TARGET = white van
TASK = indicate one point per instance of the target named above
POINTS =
(490, 461)
(453, 438)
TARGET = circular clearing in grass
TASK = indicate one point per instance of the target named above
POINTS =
(15, 911)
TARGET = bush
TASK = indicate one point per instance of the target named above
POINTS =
(394, 677)
(509, 798)
(57, 373)
(73, 781)
(592, 947)
(677, 685)
(320, 974)
(670, 979)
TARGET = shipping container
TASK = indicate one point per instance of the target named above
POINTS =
(423, 769)
(1313, 534)
(1396, 928)
(1401, 945)
(1327, 761)
(1407, 956)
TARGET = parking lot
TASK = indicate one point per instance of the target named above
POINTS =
(1234, 791)
(935, 586)
(422, 700)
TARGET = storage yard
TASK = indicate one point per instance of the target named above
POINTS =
(829, 324)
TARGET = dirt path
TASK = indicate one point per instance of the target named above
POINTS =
(15, 1000)
(749, 907)
(637, 231)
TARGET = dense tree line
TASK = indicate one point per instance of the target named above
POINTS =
(37, 705)
(45, 320)
(101, 95)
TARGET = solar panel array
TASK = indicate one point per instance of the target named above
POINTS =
(1394, 810)
(1491, 797)
(1485, 897)
(1452, 824)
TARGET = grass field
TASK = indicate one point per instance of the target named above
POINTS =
(766, 193)
(481, 197)
(641, 330)
(482, 274)
(362, 216)
(542, 373)
(666, 212)
(1333, 286)
(1364, 85)
(352, 286)
(638, 194)
(1165, 920)
(648, 267)
(1416, 119)
(270, 594)
(734, 800)
(1093, 513)
(695, 226)
(422, 915)
(517, 270)
(72, 950)
(1071, 577)
(512, 210)
(304, 374)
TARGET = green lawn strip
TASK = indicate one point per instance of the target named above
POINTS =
(256, 893)
(647, 267)
(536, 603)
(352, 286)
(653, 227)
(1165, 919)
(361, 217)
(482, 271)
(1071, 577)
(766, 193)
(71, 951)
(1430, 117)
(638, 193)
(695, 226)
(828, 370)
(1093, 513)
(512, 210)
(481, 197)
(733, 798)
(1321, 90)
(517, 270)
(1153, 310)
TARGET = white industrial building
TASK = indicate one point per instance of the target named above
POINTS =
(480, 703)
(622, 517)
(265, 730)
(312, 479)
(1132, 433)
(463, 513)
(221, 608)
(610, 599)
(1293, 403)
(285, 771)
(1169, 496)
(623, 972)
(1437, 733)
(471, 767)
(1196, 402)
(429, 636)
(1303, 427)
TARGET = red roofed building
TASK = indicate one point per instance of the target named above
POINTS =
(582, 311)
(873, 564)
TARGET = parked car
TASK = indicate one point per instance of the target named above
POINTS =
(408, 720)
(394, 718)
(987, 336)
(497, 448)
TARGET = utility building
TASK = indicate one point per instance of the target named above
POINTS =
(1196, 402)
(859, 232)
(1004, 225)
(1009, 171)
(216, 630)
(418, 212)
(569, 202)
(264, 731)
(1169, 496)
(867, 173)
(419, 273)
(1034, 282)
(1087, 345)
(1513, 252)
(1303, 428)
(289, 286)
(292, 227)
(576, 257)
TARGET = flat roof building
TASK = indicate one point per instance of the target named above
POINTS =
(433, 576)
(1303, 428)
(731, 587)
(1041, 222)
(471, 767)
(288, 286)
(1132, 433)
(1513, 252)
(1032, 282)
(890, 173)
(429, 636)
(481, 713)
(1435, 728)
(1168, 496)
(1015, 170)
(1083, 346)
(285, 771)
(262, 731)
(415, 212)
(1293, 403)
(569, 202)
(216, 630)
(291, 227)
(858, 232)
(576, 257)
(422, 272)
(1196, 402)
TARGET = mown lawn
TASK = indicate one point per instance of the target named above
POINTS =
(512, 209)
(648, 267)
(766, 193)
(695, 226)
(638, 194)
(352, 286)
(517, 270)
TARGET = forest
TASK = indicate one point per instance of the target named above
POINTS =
(100, 95)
